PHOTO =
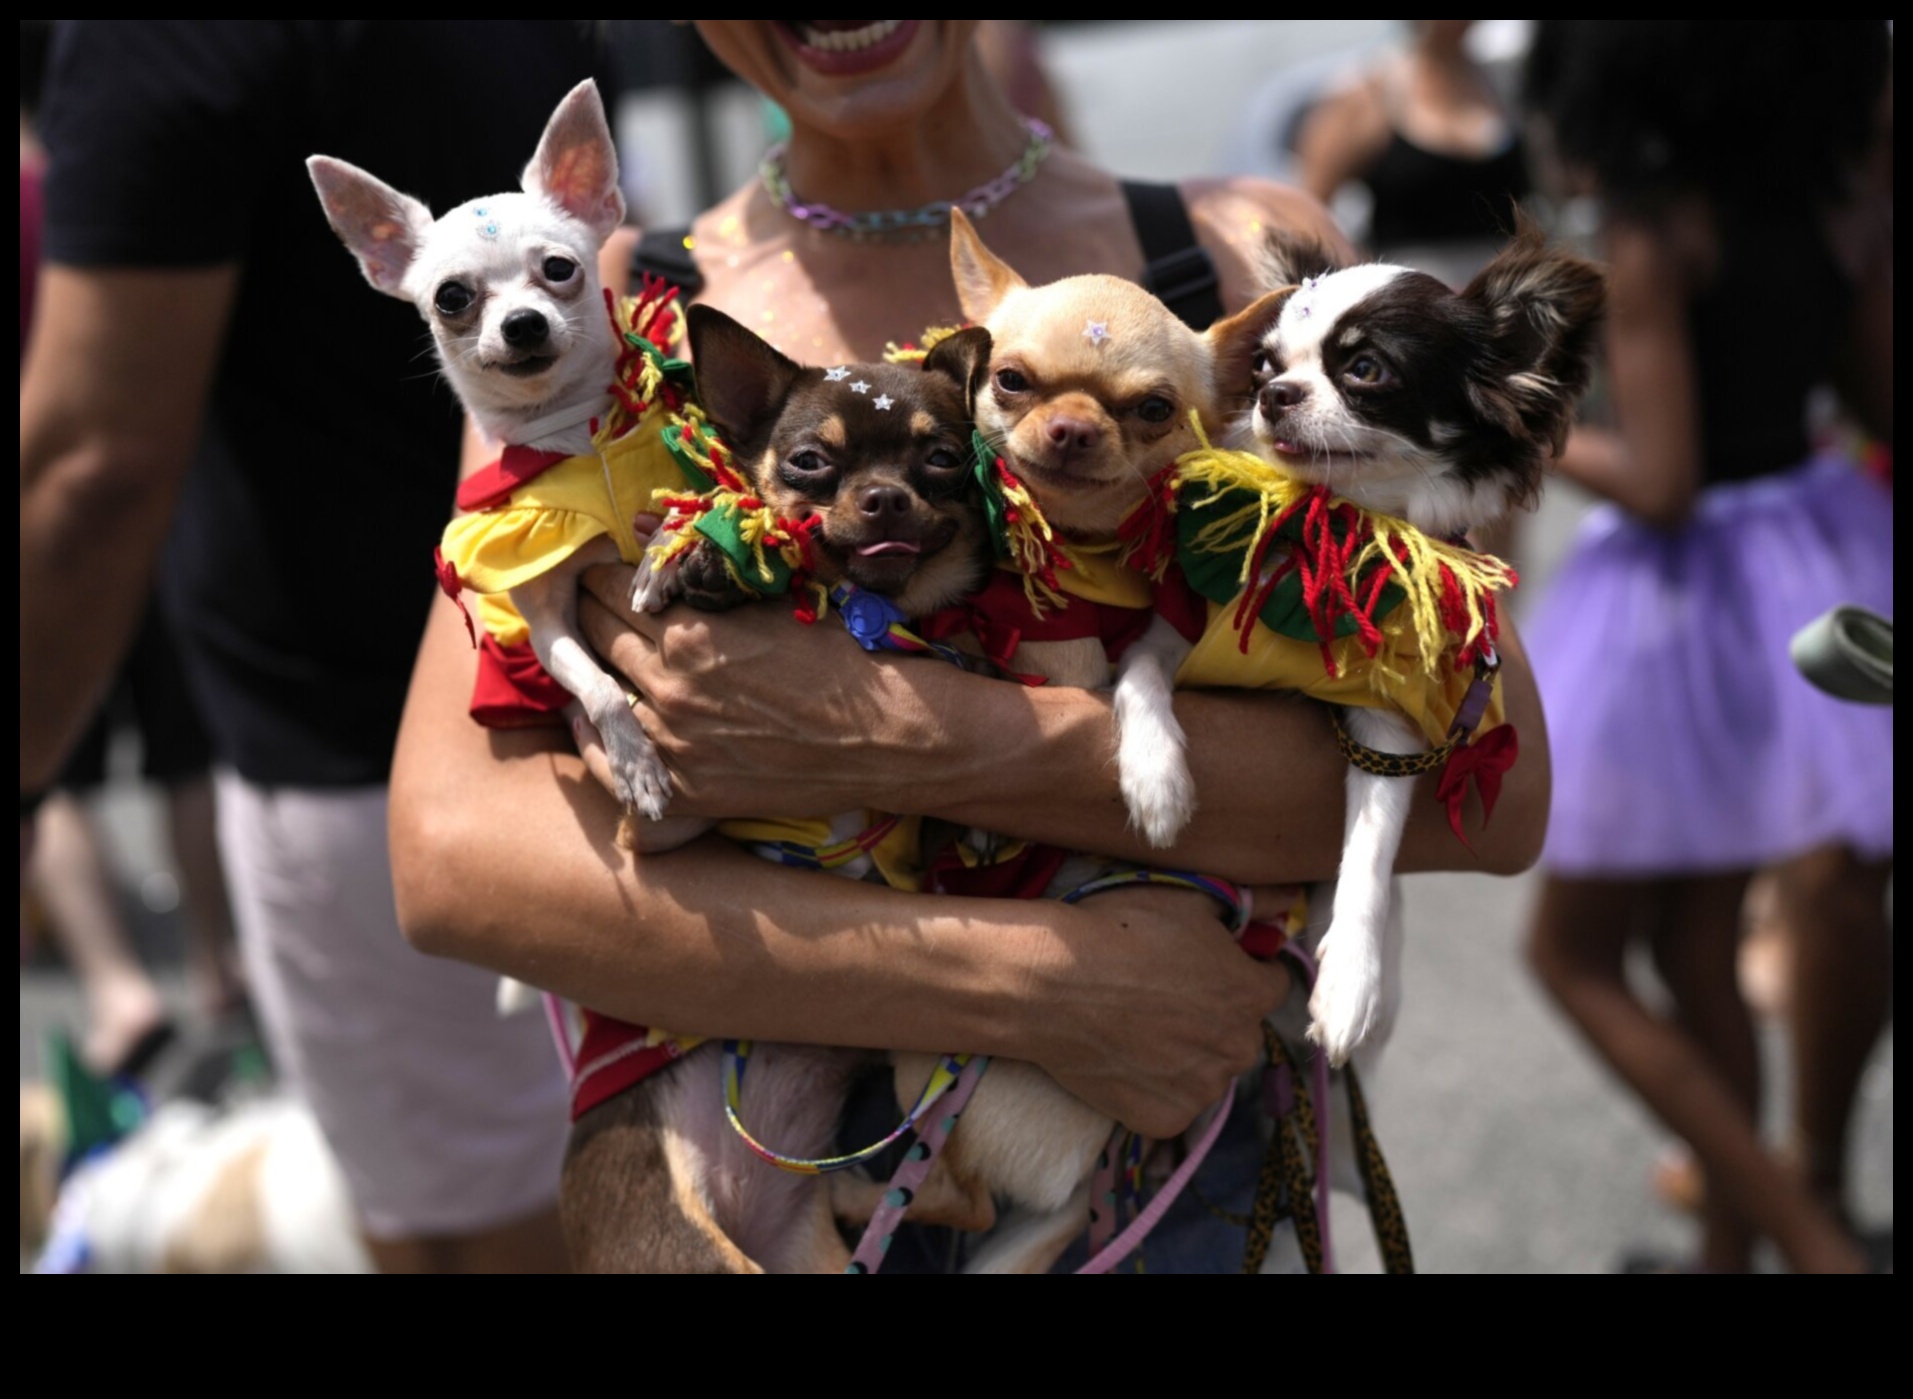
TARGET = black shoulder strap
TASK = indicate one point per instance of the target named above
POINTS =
(661, 253)
(1176, 267)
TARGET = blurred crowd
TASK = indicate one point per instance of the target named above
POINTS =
(235, 460)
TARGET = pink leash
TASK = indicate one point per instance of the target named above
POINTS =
(1138, 1228)
(561, 1035)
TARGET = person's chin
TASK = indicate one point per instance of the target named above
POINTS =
(899, 75)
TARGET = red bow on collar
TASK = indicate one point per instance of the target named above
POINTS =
(1485, 760)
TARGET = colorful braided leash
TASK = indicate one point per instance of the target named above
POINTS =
(948, 1073)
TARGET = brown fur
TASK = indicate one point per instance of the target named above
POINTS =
(1096, 418)
(883, 477)
(227, 1233)
(623, 1207)
(1084, 422)
(644, 1188)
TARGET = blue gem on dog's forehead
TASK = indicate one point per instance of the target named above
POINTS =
(489, 227)
(1096, 332)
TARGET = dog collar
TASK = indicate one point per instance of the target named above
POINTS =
(564, 420)
(878, 624)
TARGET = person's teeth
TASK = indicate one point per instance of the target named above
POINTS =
(850, 40)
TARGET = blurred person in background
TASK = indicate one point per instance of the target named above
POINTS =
(1748, 268)
(1425, 132)
(1135, 1000)
(1425, 136)
(67, 873)
(205, 360)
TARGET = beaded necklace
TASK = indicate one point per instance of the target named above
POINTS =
(905, 224)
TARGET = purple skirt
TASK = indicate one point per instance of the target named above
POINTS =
(1683, 739)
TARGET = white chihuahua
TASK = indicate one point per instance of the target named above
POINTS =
(509, 285)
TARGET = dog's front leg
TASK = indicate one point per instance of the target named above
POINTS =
(549, 605)
(1350, 1000)
(1150, 757)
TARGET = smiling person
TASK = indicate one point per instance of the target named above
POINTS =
(1136, 1001)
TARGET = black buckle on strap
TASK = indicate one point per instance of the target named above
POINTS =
(1187, 273)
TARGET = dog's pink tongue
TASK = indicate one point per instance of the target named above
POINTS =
(890, 546)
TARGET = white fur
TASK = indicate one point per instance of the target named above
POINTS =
(1355, 997)
(154, 1203)
(1151, 760)
(498, 247)
(1370, 466)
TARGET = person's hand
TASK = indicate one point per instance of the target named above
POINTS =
(755, 712)
(1158, 1014)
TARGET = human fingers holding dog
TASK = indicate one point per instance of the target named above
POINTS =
(729, 699)
(1151, 1018)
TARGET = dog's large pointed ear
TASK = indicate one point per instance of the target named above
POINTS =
(964, 357)
(982, 278)
(576, 166)
(1544, 307)
(1287, 257)
(1233, 341)
(382, 228)
(742, 381)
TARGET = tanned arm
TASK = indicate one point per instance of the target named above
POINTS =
(1140, 1005)
(111, 398)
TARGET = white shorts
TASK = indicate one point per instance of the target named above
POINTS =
(445, 1118)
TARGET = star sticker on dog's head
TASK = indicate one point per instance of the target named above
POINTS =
(1096, 332)
(882, 402)
(837, 375)
(860, 387)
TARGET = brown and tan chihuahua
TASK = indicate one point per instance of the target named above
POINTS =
(656, 1179)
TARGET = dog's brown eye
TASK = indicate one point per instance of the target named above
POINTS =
(1262, 363)
(1009, 381)
(806, 464)
(451, 298)
(1367, 369)
(943, 459)
(1155, 409)
(559, 269)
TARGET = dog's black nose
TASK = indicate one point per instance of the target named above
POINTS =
(1280, 395)
(877, 501)
(525, 330)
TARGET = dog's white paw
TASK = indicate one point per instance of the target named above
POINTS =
(1160, 794)
(1345, 1008)
(642, 779)
(1151, 767)
(657, 585)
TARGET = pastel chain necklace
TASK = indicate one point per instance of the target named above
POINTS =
(894, 224)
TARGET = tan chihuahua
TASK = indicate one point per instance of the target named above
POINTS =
(1089, 388)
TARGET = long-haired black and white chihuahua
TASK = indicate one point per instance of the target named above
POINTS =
(1437, 407)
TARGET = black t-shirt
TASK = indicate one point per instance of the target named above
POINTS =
(300, 568)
